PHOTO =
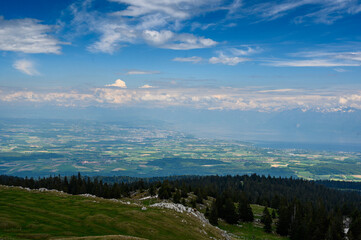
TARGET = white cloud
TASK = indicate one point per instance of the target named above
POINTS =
(232, 61)
(319, 58)
(112, 36)
(26, 66)
(175, 9)
(278, 90)
(340, 70)
(342, 100)
(193, 59)
(27, 36)
(140, 72)
(154, 22)
(320, 11)
(204, 98)
(157, 38)
(170, 40)
(189, 41)
(233, 56)
(118, 83)
(352, 56)
(312, 63)
(146, 86)
(245, 52)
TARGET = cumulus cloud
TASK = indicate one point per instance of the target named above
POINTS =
(27, 36)
(193, 59)
(232, 61)
(26, 66)
(146, 86)
(118, 83)
(157, 38)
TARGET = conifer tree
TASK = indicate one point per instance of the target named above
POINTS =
(354, 232)
(335, 229)
(213, 215)
(177, 197)
(230, 215)
(284, 220)
(152, 190)
(164, 191)
(273, 214)
(298, 229)
(206, 214)
(267, 220)
(244, 210)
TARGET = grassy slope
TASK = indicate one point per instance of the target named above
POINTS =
(36, 215)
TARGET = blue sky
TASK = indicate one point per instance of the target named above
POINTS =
(215, 55)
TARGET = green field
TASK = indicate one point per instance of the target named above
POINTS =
(45, 215)
(41, 148)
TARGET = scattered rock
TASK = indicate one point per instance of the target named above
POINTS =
(181, 209)
(148, 197)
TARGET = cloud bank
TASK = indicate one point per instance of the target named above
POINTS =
(205, 98)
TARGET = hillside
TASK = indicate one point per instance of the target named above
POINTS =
(296, 208)
(43, 215)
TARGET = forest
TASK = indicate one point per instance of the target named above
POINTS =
(301, 209)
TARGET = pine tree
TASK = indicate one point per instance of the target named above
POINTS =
(319, 222)
(266, 220)
(335, 229)
(152, 190)
(213, 215)
(193, 203)
(273, 214)
(176, 197)
(354, 232)
(206, 214)
(298, 229)
(284, 220)
(230, 215)
(164, 191)
(244, 210)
